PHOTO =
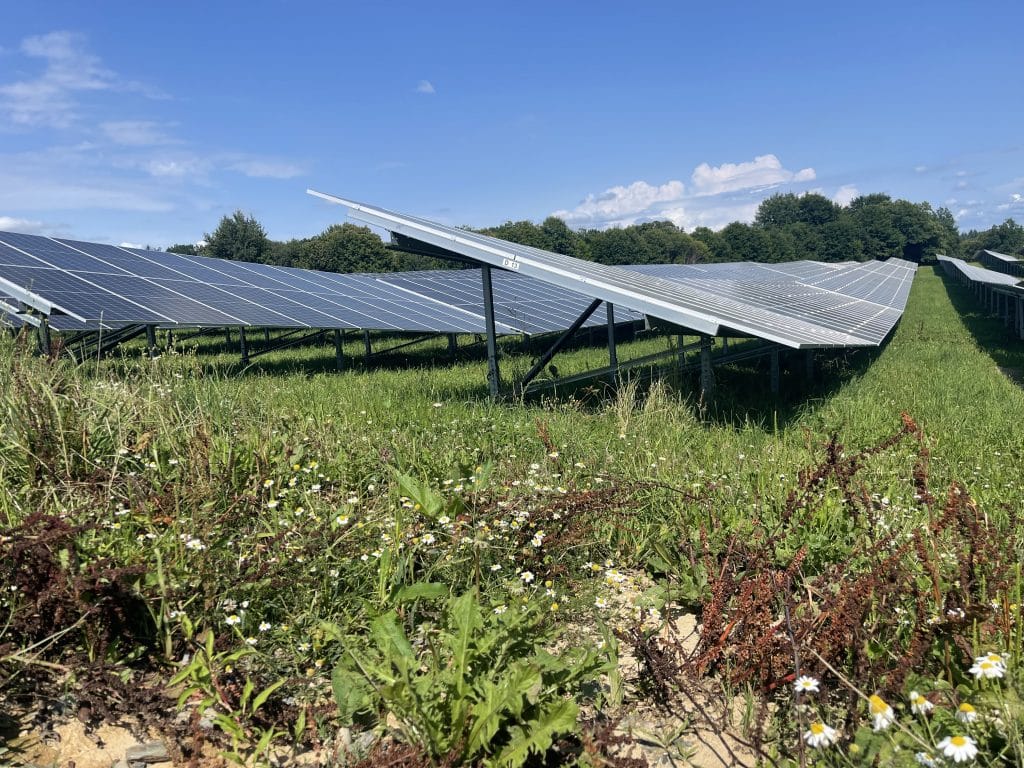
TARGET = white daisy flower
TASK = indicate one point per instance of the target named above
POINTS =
(806, 684)
(527, 577)
(233, 620)
(966, 713)
(881, 713)
(960, 749)
(819, 735)
(919, 705)
(985, 669)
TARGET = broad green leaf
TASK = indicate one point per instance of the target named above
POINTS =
(506, 697)
(351, 694)
(391, 640)
(263, 695)
(247, 690)
(421, 590)
(536, 736)
(465, 618)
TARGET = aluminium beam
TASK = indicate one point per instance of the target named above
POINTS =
(707, 375)
(613, 354)
(493, 373)
(561, 342)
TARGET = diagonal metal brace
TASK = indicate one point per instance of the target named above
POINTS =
(553, 349)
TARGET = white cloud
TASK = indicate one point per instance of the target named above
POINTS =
(49, 99)
(763, 171)
(266, 169)
(138, 246)
(425, 86)
(25, 226)
(621, 206)
(75, 178)
(719, 195)
(181, 167)
(846, 194)
(136, 133)
(1015, 203)
(920, 168)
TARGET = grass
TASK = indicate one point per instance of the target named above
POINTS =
(148, 504)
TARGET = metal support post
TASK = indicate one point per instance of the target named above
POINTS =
(45, 345)
(707, 375)
(266, 335)
(227, 336)
(453, 344)
(151, 339)
(809, 364)
(170, 338)
(339, 348)
(775, 371)
(493, 374)
(725, 345)
(368, 348)
(243, 345)
(613, 354)
(681, 341)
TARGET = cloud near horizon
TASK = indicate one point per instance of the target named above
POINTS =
(717, 196)
(25, 226)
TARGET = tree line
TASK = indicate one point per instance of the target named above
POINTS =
(786, 227)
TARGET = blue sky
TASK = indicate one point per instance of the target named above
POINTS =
(146, 122)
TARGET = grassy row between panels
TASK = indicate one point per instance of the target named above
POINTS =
(299, 553)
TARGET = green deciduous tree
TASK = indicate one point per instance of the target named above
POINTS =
(238, 237)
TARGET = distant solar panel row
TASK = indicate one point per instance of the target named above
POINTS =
(89, 285)
(960, 268)
(1001, 262)
(813, 306)
(99, 284)
(1000, 293)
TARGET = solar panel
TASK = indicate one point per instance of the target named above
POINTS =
(521, 304)
(94, 284)
(978, 274)
(862, 299)
(1001, 261)
(85, 285)
(779, 312)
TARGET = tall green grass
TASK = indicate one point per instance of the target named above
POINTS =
(277, 484)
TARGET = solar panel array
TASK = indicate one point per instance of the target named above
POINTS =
(82, 285)
(978, 275)
(103, 285)
(825, 307)
(1001, 262)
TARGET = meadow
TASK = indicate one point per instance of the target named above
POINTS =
(383, 566)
